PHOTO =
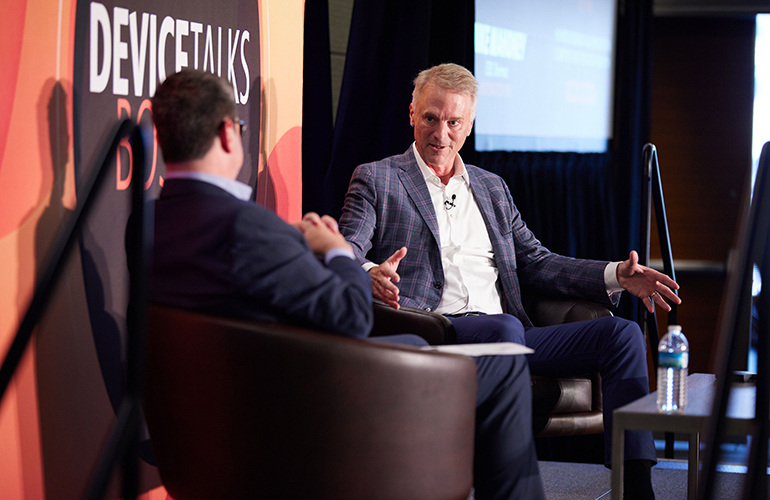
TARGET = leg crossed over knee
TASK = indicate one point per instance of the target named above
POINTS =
(505, 328)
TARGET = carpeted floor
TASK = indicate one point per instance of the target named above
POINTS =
(570, 481)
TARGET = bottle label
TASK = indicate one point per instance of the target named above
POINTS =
(673, 359)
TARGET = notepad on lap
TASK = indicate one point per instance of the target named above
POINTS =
(488, 349)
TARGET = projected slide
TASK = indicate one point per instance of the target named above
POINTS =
(545, 72)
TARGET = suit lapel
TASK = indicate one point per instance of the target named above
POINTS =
(415, 187)
(503, 247)
(481, 194)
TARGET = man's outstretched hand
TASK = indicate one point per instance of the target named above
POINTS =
(646, 283)
(384, 276)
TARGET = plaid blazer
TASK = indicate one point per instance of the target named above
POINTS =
(388, 206)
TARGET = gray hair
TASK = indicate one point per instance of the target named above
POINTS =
(449, 76)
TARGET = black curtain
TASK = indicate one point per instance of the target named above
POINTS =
(582, 205)
(633, 69)
(633, 87)
(565, 199)
(390, 42)
(317, 128)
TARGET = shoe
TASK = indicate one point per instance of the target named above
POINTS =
(637, 480)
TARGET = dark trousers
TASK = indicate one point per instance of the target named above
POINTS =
(505, 461)
(400, 339)
(612, 346)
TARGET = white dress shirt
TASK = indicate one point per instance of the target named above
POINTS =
(466, 250)
(234, 187)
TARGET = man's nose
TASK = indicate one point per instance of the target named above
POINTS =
(442, 130)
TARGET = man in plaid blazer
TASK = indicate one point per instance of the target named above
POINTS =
(439, 235)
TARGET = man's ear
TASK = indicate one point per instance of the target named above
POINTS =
(411, 114)
(227, 135)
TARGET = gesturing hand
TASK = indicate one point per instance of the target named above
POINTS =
(646, 283)
(383, 277)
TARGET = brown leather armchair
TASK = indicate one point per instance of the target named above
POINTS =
(239, 409)
(566, 406)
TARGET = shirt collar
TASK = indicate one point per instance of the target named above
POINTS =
(427, 173)
(234, 187)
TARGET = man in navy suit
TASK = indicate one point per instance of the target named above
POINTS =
(217, 252)
(469, 252)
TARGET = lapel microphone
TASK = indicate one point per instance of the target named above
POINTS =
(449, 204)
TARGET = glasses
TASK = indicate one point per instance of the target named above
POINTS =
(242, 126)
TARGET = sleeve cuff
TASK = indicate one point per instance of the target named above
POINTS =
(611, 278)
(611, 282)
(338, 252)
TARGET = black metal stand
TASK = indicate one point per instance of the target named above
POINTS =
(652, 194)
(754, 249)
(123, 444)
(124, 441)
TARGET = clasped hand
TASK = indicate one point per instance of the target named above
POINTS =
(321, 232)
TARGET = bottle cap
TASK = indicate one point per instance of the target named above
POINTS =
(672, 328)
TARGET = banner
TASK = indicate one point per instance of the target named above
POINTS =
(69, 71)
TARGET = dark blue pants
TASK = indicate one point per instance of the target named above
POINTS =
(505, 461)
(400, 339)
(612, 346)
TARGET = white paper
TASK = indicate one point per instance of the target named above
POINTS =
(489, 349)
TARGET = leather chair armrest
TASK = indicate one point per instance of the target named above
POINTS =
(435, 328)
(565, 405)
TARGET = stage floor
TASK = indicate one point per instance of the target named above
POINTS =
(571, 481)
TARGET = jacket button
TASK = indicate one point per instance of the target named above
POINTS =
(428, 309)
(437, 284)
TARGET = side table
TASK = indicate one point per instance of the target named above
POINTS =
(643, 414)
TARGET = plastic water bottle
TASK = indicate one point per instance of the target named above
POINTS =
(673, 361)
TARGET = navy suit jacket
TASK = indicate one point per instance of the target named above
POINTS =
(217, 254)
(388, 206)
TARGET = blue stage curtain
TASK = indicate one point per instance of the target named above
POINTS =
(565, 199)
